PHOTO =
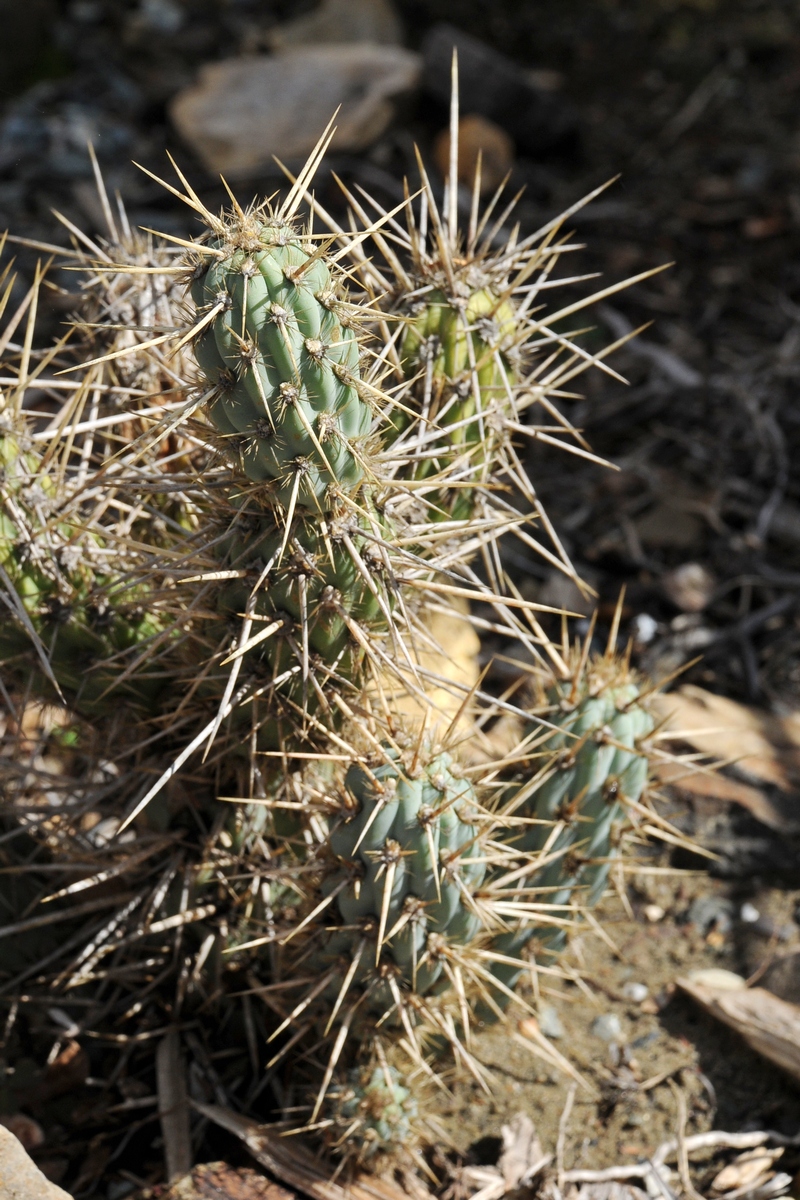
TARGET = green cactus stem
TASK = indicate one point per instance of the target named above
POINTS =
(279, 350)
(374, 1114)
(599, 764)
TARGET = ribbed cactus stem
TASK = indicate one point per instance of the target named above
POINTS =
(599, 765)
(408, 853)
(282, 358)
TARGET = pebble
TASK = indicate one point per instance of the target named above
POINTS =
(160, 16)
(550, 1022)
(495, 87)
(690, 587)
(608, 1027)
(637, 992)
(342, 21)
(478, 137)
(654, 913)
(20, 1178)
(242, 111)
(749, 913)
(645, 628)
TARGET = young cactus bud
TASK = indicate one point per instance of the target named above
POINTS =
(374, 1114)
(282, 364)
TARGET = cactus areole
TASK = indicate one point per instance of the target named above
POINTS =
(282, 363)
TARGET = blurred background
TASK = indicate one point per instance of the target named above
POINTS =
(694, 103)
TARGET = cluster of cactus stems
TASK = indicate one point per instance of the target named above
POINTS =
(267, 455)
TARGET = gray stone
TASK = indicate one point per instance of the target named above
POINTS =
(342, 21)
(607, 1027)
(690, 586)
(637, 992)
(550, 1022)
(242, 111)
(20, 1178)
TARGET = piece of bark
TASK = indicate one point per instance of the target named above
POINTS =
(173, 1105)
(770, 1026)
(217, 1181)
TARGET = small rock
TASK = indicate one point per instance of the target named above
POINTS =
(104, 832)
(242, 111)
(342, 21)
(495, 87)
(718, 978)
(653, 913)
(550, 1022)
(20, 1178)
(637, 992)
(160, 16)
(608, 1027)
(749, 913)
(645, 628)
(478, 137)
(689, 586)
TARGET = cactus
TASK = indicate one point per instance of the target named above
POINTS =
(281, 357)
(61, 596)
(408, 886)
(596, 764)
(374, 1115)
(409, 853)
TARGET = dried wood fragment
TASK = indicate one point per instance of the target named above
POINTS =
(173, 1106)
(770, 1026)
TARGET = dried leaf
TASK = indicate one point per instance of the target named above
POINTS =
(522, 1154)
(746, 1170)
(762, 750)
